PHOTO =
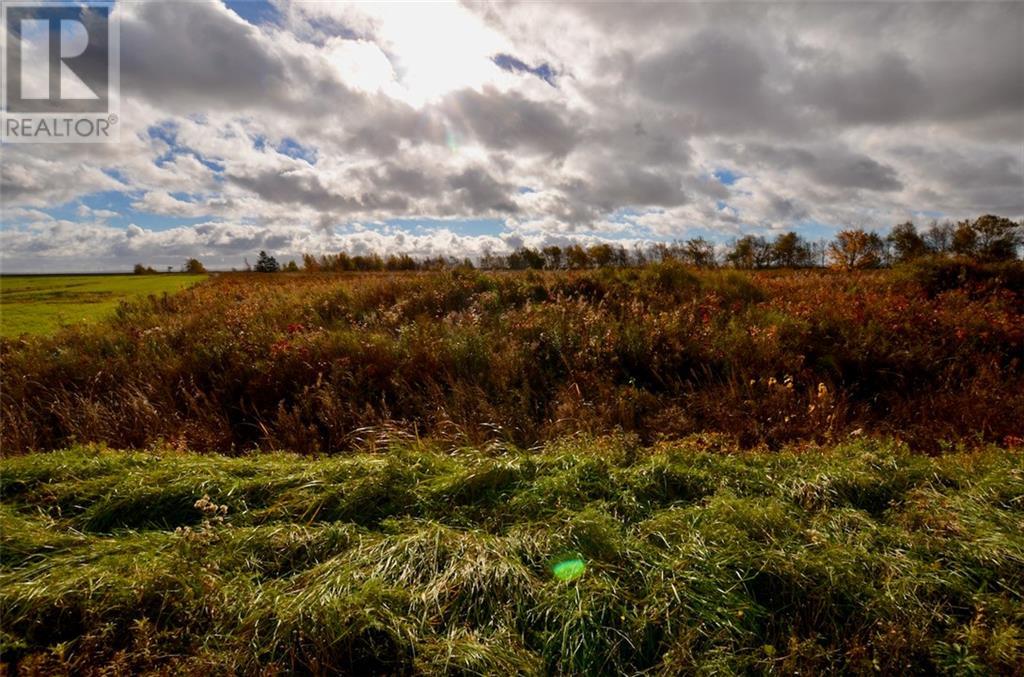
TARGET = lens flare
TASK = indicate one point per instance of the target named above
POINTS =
(452, 138)
(569, 570)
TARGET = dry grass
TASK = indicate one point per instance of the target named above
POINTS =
(327, 363)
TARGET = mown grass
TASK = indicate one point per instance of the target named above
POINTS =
(425, 559)
(310, 362)
(42, 304)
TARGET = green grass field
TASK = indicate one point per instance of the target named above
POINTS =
(585, 557)
(39, 304)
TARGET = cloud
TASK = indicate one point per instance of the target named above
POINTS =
(59, 246)
(720, 79)
(882, 91)
(27, 181)
(193, 55)
(510, 121)
(826, 164)
(293, 131)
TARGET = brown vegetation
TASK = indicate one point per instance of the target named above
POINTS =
(323, 363)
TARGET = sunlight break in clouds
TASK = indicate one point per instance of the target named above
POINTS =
(453, 128)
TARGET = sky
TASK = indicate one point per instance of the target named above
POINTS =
(460, 129)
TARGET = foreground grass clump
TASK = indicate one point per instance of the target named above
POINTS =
(695, 559)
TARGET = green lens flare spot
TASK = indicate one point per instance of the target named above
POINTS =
(569, 570)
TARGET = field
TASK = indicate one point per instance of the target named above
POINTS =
(40, 304)
(654, 470)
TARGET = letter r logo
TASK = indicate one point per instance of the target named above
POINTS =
(57, 58)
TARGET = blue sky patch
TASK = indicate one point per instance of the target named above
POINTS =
(116, 175)
(510, 63)
(726, 176)
(121, 202)
(256, 12)
(296, 150)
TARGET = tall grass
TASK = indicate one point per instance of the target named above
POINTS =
(325, 363)
(698, 559)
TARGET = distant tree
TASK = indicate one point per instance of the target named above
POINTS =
(367, 262)
(143, 270)
(310, 264)
(789, 250)
(939, 237)
(601, 255)
(988, 238)
(699, 252)
(906, 244)
(524, 258)
(400, 262)
(339, 262)
(194, 266)
(819, 252)
(552, 257)
(997, 238)
(433, 263)
(266, 263)
(856, 248)
(640, 256)
(620, 257)
(741, 255)
(965, 240)
(750, 251)
(534, 258)
(577, 257)
(292, 267)
(487, 259)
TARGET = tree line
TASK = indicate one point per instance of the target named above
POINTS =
(191, 266)
(988, 238)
